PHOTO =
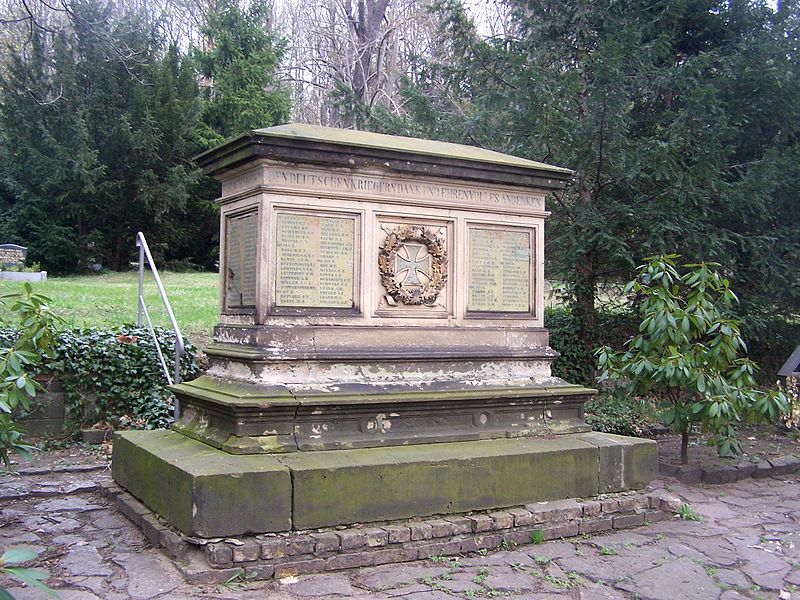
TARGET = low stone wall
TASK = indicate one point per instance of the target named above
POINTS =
(35, 277)
(48, 413)
(692, 474)
(282, 555)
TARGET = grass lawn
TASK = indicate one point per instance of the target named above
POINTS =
(109, 300)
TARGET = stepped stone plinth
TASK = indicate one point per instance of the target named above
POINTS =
(381, 351)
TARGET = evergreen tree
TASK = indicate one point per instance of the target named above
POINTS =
(678, 117)
(238, 67)
(100, 148)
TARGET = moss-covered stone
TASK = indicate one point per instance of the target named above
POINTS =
(375, 484)
(625, 463)
(199, 489)
(207, 492)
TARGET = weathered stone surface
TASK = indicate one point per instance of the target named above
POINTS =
(325, 542)
(394, 483)
(247, 552)
(680, 579)
(762, 470)
(201, 490)
(784, 465)
(625, 463)
(720, 474)
(86, 561)
(149, 575)
(628, 521)
(323, 585)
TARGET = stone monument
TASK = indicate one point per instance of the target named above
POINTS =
(381, 351)
(12, 256)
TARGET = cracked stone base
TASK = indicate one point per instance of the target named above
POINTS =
(211, 560)
(206, 492)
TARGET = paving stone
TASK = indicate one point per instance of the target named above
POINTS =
(610, 568)
(594, 591)
(620, 539)
(85, 561)
(509, 580)
(765, 569)
(149, 575)
(679, 579)
(34, 594)
(733, 578)
(68, 504)
(395, 576)
(513, 557)
(96, 585)
(718, 552)
(59, 525)
(332, 584)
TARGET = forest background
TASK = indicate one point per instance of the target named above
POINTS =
(679, 117)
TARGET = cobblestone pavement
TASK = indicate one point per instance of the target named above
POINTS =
(746, 545)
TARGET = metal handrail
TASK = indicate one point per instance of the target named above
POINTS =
(144, 253)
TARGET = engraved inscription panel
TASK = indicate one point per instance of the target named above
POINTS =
(315, 261)
(500, 271)
(240, 288)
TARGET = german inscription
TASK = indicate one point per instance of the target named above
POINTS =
(376, 186)
(240, 289)
(315, 261)
(500, 271)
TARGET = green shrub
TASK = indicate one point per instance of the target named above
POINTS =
(690, 352)
(21, 355)
(114, 376)
(621, 414)
(577, 363)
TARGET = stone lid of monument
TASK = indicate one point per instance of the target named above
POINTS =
(792, 364)
(312, 144)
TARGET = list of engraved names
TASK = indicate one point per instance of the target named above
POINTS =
(500, 271)
(315, 261)
(241, 259)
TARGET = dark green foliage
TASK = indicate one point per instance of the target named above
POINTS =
(113, 376)
(22, 355)
(98, 148)
(679, 118)
(241, 62)
(619, 413)
(94, 147)
(576, 363)
(689, 352)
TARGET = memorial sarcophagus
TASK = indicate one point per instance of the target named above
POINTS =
(381, 351)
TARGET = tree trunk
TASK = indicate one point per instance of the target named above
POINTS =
(685, 446)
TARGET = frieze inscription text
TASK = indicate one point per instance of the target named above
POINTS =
(399, 189)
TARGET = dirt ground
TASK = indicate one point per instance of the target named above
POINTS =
(758, 444)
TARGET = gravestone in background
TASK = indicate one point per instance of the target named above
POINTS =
(12, 256)
(381, 351)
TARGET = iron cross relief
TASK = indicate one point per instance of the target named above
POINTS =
(412, 264)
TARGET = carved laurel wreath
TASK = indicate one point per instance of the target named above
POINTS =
(413, 294)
